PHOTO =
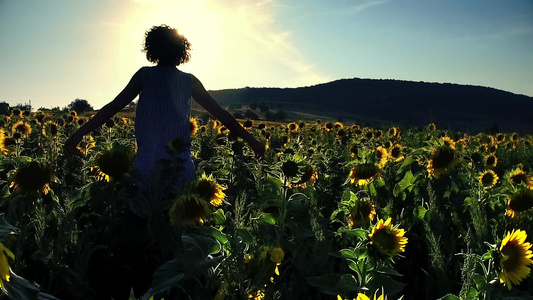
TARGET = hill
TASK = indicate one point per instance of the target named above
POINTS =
(372, 101)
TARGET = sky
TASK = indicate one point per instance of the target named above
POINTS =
(53, 52)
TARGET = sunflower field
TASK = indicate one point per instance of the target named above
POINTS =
(332, 211)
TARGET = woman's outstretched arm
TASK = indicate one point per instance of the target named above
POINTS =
(132, 89)
(202, 97)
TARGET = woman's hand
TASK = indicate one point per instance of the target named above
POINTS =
(70, 146)
(258, 147)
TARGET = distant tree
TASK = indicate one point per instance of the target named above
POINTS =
(249, 114)
(270, 116)
(253, 106)
(4, 108)
(80, 106)
(238, 115)
(22, 107)
(235, 105)
(132, 106)
(281, 115)
(276, 116)
(263, 108)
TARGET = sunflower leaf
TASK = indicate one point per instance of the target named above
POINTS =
(360, 233)
(219, 217)
(6, 229)
(449, 297)
(326, 283)
(346, 283)
(268, 218)
(274, 182)
(213, 232)
(20, 288)
(420, 212)
(406, 163)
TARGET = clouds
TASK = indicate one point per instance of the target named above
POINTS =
(259, 46)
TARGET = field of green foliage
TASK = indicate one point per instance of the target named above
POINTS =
(332, 211)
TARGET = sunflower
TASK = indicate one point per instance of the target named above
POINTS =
(22, 128)
(210, 190)
(16, 113)
(259, 295)
(500, 137)
(338, 125)
(32, 177)
(39, 117)
(388, 239)
(368, 133)
(193, 126)
(86, 144)
(515, 258)
(441, 161)
(213, 124)
(396, 153)
(290, 168)
(518, 176)
(491, 161)
(248, 124)
(361, 213)
(432, 127)
(5, 273)
(354, 150)
(112, 164)
(73, 114)
(270, 258)
(363, 174)
(50, 129)
(293, 127)
(276, 256)
(382, 156)
(488, 179)
(361, 296)
(394, 132)
(176, 144)
(520, 202)
(448, 141)
(3, 140)
(308, 178)
(189, 209)
(328, 126)
(223, 129)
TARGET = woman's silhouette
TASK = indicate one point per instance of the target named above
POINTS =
(162, 114)
(163, 110)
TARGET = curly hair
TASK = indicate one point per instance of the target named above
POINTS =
(163, 44)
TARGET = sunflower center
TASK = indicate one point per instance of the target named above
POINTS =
(396, 152)
(512, 251)
(384, 240)
(206, 189)
(194, 210)
(365, 171)
(361, 212)
(487, 179)
(443, 157)
(522, 201)
(519, 178)
(290, 168)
